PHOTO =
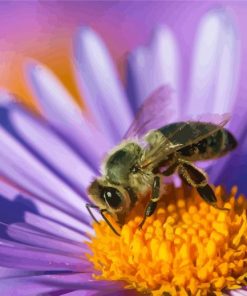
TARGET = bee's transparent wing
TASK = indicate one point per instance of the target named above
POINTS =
(214, 118)
(193, 131)
(155, 112)
(180, 135)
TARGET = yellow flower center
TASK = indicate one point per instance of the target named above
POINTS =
(186, 248)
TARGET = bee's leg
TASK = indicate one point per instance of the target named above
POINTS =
(198, 179)
(170, 170)
(171, 166)
(191, 174)
(152, 204)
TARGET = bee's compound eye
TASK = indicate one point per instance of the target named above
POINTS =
(112, 197)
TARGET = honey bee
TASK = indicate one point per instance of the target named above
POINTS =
(136, 166)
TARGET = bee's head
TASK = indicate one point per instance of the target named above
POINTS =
(117, 200)
(122, 182)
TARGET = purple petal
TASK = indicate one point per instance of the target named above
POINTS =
(11, 272)
(29, 173)
(239, 292)
(31, 236)
(82, 293)
(19, 256)
(59, 108)
(56, 228)
(232, 169)
(98, 79)
(54, 218)
(13, 210)
(52, 149)
(122, 292)
(153, 66)
(44, 284)
(215, 67)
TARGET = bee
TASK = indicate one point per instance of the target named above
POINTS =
(136, 166)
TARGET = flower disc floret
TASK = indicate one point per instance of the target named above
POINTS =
(186, 248)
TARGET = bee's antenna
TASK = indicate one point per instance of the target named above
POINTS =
(88, 207)
(108, 222)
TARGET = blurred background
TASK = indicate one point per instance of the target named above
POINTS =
(45, 31)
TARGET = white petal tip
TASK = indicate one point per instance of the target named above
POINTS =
(33, 67)
(84, 32)
(219, 19)
(159, 32)
(86, 40)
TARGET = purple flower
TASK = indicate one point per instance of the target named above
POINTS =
(47, 162)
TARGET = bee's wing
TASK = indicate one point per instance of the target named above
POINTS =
(182, 134)
(193, 131)
(155, 112)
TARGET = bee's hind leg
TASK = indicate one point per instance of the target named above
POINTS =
(170, 170)
(152, 204)
(199, 180)
(191, 174)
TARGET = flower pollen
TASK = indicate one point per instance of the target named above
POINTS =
(186, 248)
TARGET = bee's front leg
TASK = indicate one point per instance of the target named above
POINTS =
(152, 204)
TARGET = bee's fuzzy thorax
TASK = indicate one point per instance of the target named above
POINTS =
(113, 151)
(120, 161)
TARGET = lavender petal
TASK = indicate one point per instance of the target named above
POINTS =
(11, 272)
(60, 110)
(55, 219)
(45, 284)
(51, 149)
(18, 165)
(57, 228)
(82, 293)
(230, 170)
(215, 66)
(26, 234)
(239, 292)
(153, 66)
(14, 255)
(122, 292)
(104, 94)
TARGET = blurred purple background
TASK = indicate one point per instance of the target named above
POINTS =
(45, 31)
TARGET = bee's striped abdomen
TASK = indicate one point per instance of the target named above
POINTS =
(215, 145)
